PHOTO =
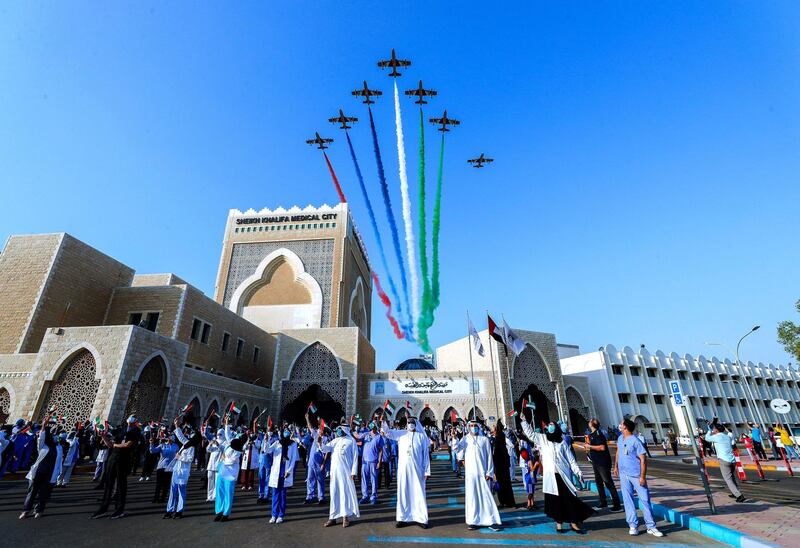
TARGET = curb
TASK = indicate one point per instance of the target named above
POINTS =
(751, 467)
(709, 529)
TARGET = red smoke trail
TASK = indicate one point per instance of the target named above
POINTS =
(335, 180)
(388, 304)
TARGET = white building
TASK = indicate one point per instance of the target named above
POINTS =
(635, 385)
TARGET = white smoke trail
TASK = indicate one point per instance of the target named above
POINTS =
(407, 221)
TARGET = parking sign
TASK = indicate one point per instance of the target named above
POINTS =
(677, 395)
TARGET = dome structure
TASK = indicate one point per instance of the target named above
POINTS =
(415, 364)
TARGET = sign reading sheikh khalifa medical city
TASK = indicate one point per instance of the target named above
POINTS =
(286, 219)
(428, 386)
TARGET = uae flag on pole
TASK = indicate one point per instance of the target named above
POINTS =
(529, 404)
(388, 407)
(321, 425)
(477, 345)
(185, 408)
(516, 344)
(512, 413)
(234, 409)
(453, 416)
(312, 408)
(495, 332)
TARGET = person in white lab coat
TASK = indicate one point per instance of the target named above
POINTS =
(230, 452)
(413, 470)
(561, 502)
(181, 471)
(214, 453)
(344, 471)
(284, 458)
(70, 458)
(479, 506)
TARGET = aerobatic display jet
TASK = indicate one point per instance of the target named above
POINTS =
(420, 93)
(342, 119)
(394, 63)
(444, 121)
(319, 141)
(480, 160)
(366, 93)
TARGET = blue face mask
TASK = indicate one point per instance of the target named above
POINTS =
(339, 432)
(551, 428)
(286, 433)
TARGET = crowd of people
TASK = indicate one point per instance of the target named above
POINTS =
(227, 455)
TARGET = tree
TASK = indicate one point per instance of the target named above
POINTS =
(789, 335)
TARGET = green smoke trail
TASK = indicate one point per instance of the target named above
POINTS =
(435, 244)
(426, 314)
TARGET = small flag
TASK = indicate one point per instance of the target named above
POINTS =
(512, 413)
(389, 408)
(213, 413)
(234, 409)
(269, 422)
(105, 426)
(476, 340)
(97, 421)
(312, 408)
(453, 415)
(321, 426)
(494, 331)
(408, 405)
(184, 409)
(529, 404)
(51, 409)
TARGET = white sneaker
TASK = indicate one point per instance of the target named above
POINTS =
(279, 520)
(655, 532)
(272, 519)
(633, 531)
(141, 479)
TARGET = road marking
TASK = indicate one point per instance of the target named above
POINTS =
(518, 542)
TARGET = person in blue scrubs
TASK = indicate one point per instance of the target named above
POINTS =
(631, 467)
(372, 456)
(315, 473)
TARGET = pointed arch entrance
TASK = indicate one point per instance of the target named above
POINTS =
(427, 417)
(578, 411)
(5, 405)
(73, 392)
(315, 376)
(149, 392)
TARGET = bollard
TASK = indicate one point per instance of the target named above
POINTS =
(739, 467)
(703, 457)
(786, 462)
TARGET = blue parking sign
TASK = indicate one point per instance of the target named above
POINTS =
(677, 395)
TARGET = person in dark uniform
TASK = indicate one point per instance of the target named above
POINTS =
(121, 445)
(599, 455)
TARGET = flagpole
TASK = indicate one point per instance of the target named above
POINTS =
(471, 372)
(494, 383)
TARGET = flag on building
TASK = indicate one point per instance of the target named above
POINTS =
(477, 345)
(389, 408)
(512, 341)
(512, 413)
(312, 408)
(494, 331)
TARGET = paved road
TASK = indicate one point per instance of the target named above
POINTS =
(786, 490)
(67, 520)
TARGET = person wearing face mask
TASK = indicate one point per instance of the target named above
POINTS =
(70, 458)
(181, 471)
(343, 470)
(315, 469)
(505, 493)
(214, 451)
(371, 457)
(284, 457)
(230, 452)
(165, 449)
(480, 509)
(265, 463)
(561, 502)
(43, 474)
(413, 470)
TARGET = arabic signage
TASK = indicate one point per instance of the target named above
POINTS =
(285, 218)
(424, 386)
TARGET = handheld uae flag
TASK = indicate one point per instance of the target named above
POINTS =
(269, 422)
(453, 416)
(51, 409)
(516, 344)
(529, 404)
(184, 409)
(312, 408)
(234, 409)
(408, 405)
(321, 426)
(512, 413)
(97, 421)
(388, 408)
(477, 345)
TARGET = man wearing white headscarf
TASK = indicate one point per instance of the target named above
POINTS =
(344, 470)
(479, 506)
(413, 469)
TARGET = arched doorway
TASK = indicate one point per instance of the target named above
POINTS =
(315, 376)
(212, 415)
(5, 406)
(578, 412)
(148, 393)
(190, 417)
(327, 407)
(72, 394)
(256, 413)
(475, 412)
(543, 412)
(401, 417)
(243, 416)
(427, 418)
(532, 379)
(448, 416)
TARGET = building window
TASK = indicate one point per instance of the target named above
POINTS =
(769, 382)
(635, 372)
(682, 375)
(134, 318)
(641, 398)
(651, 373)
(758, 381)
(704, 401)
(667, 373)
(327, 225)
(380, 388)
(256, 352)
(710, 377)
(731, 402)
(717, 401)
(226, 341)
(333, 225)
(475, 386)
(658, 399)
(239, 348)
(695, 376)
(617, 369)
(152, 321)
(197, 325)
(206, 333)
(624, 398)
(743, 402)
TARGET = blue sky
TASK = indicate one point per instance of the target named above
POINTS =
(645, 183)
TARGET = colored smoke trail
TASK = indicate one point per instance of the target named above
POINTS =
(407, 220)
(387, 202)
(384, 299)
(426, 318)
(437, 209)
(335, 180)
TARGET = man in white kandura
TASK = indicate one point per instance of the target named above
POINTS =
(413, 469)
(344, 471)
(479, 505)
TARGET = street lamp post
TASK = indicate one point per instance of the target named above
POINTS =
(748, 389)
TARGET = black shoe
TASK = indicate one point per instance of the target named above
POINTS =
(224, 518)
(472, 527)
(494, 527)
(97, 515)
(423, 525)
(731, 496)
(167, 515)
(218, 517)
(741, 499)
(560, 529)
(616, 508)
(399, 524)
(321, 501)
(307, 501)
(178, 515)
(117, 515)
